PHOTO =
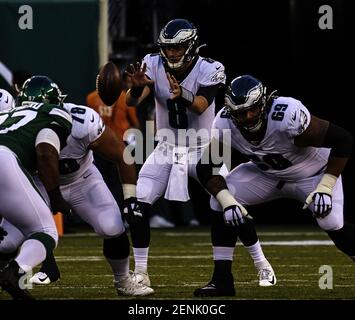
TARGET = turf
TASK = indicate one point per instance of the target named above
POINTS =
(181, 260)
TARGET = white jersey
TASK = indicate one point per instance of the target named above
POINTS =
(75, 158)
(276, 154)
(175, 122)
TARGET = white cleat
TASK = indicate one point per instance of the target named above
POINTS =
(267, 277)
(141, 278)
(128, 287)
(40, 278)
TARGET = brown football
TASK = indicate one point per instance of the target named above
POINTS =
(108, 83)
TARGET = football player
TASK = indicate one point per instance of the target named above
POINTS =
(31, 138)
(83, 187)
(185, 86)
(292, 154)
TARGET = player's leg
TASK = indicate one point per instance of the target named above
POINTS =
(10, 244)
(223, 239)
(49, 271)
(152, 181)
(93, 202)
(23, 207)
(342, 233)
(249, 187)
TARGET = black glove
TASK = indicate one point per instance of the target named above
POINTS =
(3, 233)
(58, 204)
(131, 211)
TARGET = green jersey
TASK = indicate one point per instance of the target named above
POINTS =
(19, 128)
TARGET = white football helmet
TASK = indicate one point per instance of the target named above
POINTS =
(7, 101)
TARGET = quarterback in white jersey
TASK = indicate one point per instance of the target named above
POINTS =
(292, 153)
(83, 188)
(185, 86)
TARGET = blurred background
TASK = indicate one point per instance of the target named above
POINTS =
(280, 42)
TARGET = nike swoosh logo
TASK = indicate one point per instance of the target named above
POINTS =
(85, 177)
(217, 68)
(294, 117)
(92, 118)
(43, 279)
(7, 100)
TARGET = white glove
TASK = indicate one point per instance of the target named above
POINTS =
(322, 196)
(234, 213)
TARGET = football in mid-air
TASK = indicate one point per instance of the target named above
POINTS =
(108, 83)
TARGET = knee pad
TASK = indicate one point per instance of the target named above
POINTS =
(109, 224)
(49, 240)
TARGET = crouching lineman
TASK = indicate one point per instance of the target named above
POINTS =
(83, 187)
(292, 153)
(31, 138)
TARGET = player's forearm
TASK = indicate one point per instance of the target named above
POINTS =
(199, 105)
(336, 165)
(47, 164)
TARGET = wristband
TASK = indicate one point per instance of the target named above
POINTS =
(226, 199)
(186, 97)
(129, 190)
(327, 183)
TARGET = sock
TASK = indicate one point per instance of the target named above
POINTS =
(344, 239)
(223, 271)
(223, 253)
(32, 253)
(256, 253)
(120, 267)
(141, 259)
(50, 267)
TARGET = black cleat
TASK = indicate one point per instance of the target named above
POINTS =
(216, 289)
(9, 281)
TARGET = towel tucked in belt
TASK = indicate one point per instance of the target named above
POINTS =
(178, 179)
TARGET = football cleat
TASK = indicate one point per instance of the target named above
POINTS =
(141, 278)
(216, 289)
(10, 282)
(267, 277)
(40, 278)
(128, 287)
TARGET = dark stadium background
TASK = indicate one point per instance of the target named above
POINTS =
(281, 43)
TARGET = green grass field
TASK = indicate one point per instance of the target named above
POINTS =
(181, 260)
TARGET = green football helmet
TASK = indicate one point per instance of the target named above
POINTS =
(40, 89)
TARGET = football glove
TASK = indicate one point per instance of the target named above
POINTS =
(322, 196)
(235, 215)
(3, 233)
(57, 202)
(131, 211)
